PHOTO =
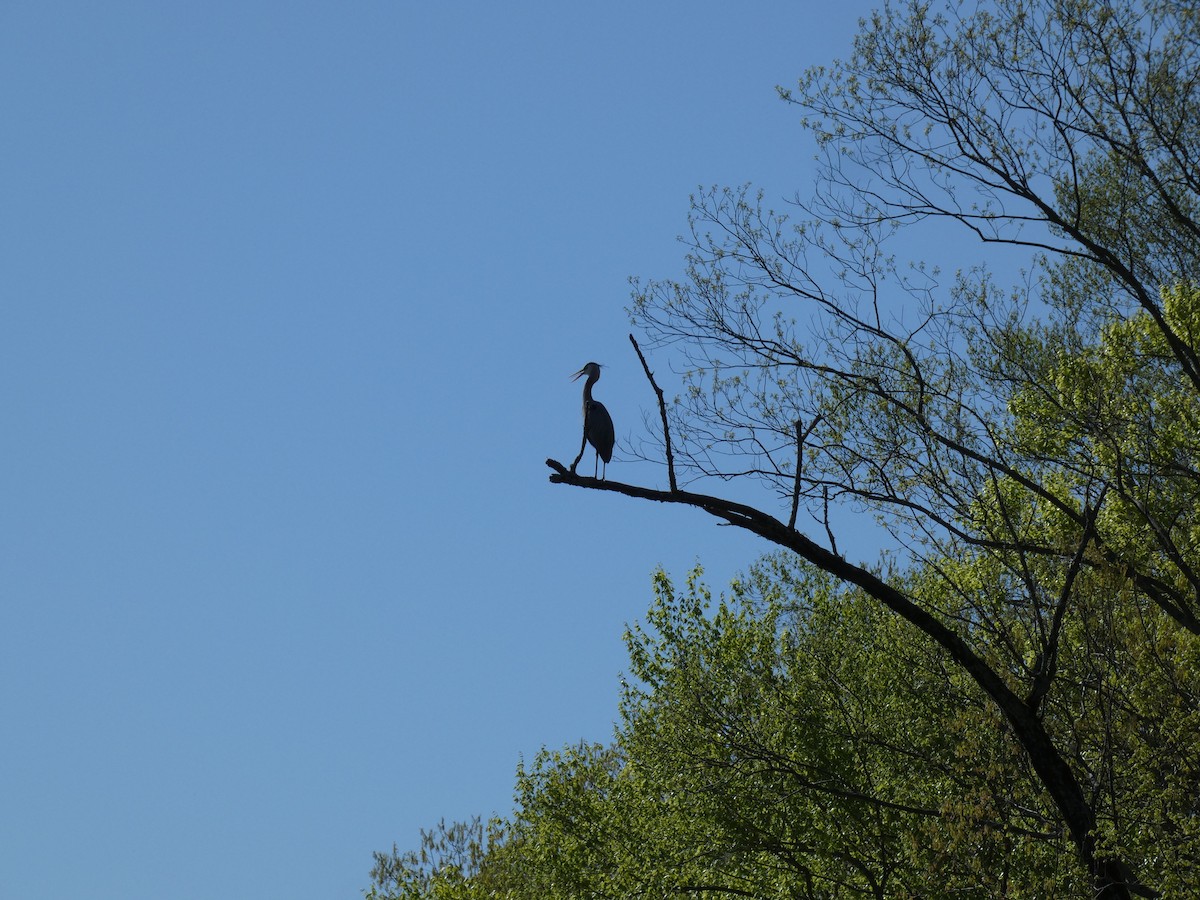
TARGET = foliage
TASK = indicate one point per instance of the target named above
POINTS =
(454, 862)
(792, 739)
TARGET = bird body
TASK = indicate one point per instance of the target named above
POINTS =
(597, 423)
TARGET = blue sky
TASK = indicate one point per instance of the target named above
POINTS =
(289, 298)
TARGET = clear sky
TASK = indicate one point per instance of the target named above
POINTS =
(289, 298)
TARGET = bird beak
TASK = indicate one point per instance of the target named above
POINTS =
(582, 371)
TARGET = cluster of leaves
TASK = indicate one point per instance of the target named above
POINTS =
(791, 739)
(1118, 411)
(454, 860)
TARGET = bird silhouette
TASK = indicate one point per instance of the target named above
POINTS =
(597, 423)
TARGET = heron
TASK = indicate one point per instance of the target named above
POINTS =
(597, 423)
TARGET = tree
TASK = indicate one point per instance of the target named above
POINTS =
(792, 738)
(1043, 433)
(827, 750)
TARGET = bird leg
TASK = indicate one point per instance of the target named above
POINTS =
(582, 446)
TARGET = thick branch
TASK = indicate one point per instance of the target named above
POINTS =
(1052, 769)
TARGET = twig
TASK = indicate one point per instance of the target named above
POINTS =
(1047, 665)
(662, 411)
(828, 530)
(801, 437)
(799, 469)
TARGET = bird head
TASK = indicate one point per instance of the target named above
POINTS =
(591, 370)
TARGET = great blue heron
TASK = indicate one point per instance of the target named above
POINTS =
(597, 423)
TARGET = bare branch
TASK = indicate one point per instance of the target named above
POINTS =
(662, 411)
(1045, 673)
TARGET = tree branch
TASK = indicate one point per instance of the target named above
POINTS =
(1053, 770)
(1049, 662)
(662, 411)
